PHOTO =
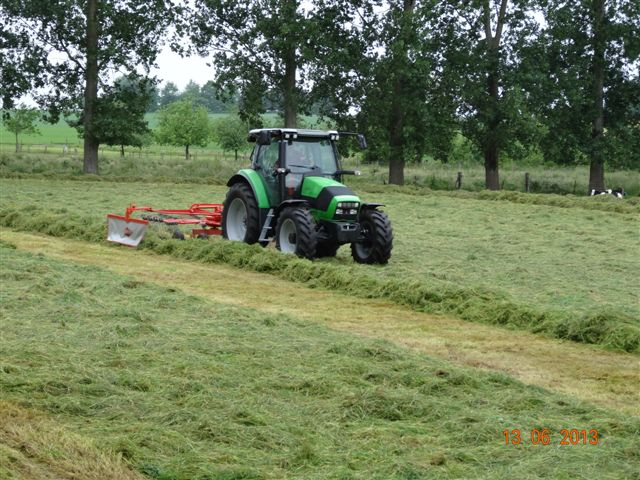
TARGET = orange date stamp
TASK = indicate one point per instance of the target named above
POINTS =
(542, 436)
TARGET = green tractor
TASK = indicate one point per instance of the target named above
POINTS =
(293, 192)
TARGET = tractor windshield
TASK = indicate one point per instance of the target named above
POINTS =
(311, 155)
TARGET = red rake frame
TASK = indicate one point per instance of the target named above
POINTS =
(207, 215)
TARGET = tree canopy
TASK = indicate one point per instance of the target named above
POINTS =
(21, 121)
(72, 46)
(120, 113)
(183, 124)
(272, 47)
(514, 77)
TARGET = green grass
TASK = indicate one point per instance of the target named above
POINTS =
(183, 388)
(547, 269)
(44, 155)
(544, 179)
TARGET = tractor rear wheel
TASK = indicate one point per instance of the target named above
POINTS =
(240, 221)
(296, 233)
(378, 238)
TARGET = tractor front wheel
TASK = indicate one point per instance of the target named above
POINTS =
(377, 238)
(240, 215)
(296, 233)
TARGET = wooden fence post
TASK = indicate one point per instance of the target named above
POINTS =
(527, 182)
(459, 181)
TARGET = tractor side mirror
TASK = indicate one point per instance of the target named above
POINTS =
(362, 142)
(264, 137)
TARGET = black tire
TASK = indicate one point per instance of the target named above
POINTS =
(236, 225)
(376, 248)
(327, 249)
(296, 233)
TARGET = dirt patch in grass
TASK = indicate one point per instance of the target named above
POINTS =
(34, 447)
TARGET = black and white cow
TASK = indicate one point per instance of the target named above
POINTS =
(618, 192)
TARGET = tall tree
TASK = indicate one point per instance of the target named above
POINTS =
(480, 41)
(119, 113)
(191, 93)
(400, 71)
(169, 94)
(392, 88)
(79, 42)
(260, 47)
(589, 98)
(212, 98)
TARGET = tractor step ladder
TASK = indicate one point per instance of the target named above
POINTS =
(266, 227)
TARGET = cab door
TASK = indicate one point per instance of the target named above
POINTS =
(266, 163)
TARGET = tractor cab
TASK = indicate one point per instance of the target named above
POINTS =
(285, 157)
(293, 192)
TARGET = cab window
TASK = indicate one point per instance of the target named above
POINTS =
(268, 157)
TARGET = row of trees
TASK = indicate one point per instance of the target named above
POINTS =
(120, 122)
(207, 96)
(512, 75)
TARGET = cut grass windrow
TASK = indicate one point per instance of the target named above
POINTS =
(608, 328)
(184, 388)
(604, 203)
(607, 379)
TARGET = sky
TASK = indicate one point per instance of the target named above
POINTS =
(172, 68)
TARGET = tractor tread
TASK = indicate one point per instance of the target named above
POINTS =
(243, 191)
(307, 240)
(381, 239)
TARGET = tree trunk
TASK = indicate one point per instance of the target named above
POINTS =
(289, 91)
(493, 115)
(186, 152)
(396, 137)
(398, 111)
(596, 170)
(236, 152)
(491, 150)
(91, 89)
(596, 176)
(121, 151)
(17, 146)
(491, 174)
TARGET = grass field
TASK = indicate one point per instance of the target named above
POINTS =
(180, 387)
(497, 261)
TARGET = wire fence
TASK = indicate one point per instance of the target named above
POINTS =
(154, 152)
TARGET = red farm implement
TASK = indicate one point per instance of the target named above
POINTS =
(127, 230)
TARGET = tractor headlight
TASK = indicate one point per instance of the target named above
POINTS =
(339, 211)
(348, 205)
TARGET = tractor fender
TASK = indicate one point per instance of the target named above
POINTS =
(370, 206)
(252, 178)
(291, 203)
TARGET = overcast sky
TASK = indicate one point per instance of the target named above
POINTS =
(172, 68)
